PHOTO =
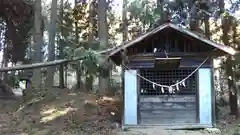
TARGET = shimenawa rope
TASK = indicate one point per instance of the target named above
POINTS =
(170, 88)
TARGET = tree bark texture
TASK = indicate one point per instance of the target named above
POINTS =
(89, 78)
(125, 21)
(51, 45)
(226, 25)
(61, 68)
(37, 79)
(104, 80)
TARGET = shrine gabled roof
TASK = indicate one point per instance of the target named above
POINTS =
(224, 48)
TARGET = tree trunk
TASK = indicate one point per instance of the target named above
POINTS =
(37, 79)
(104, 79)
(89, 78)
(231, 88)
(78, 71)
(5, 76)
(89, 83)
(194, 22)
(229, 64)
(207, 27)
(61, 68)
(78, 75)
(125, 21)
(51, 45)
(2, 62)
(6, 90)
(161, 12)
(66, 75)
(5, 57)
(91, 22)
(236, 92)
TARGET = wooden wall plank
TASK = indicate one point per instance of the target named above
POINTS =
(166, 105)
(164, 109)
(168, 114)
(157, 121)
(167, 98)
(168, 117)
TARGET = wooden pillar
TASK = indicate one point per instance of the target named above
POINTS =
(130, 93)
(205, 96)
(130, 98)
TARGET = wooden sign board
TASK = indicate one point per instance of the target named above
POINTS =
(167, 63)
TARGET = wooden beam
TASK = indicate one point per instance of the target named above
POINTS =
(197, 98)
(174, 54)
(183, 126)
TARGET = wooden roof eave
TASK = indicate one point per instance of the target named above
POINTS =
(138, 39)
(226, 49)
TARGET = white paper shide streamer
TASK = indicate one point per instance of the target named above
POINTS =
(183, 83)
(162, 89)
(154, 87)
(177, 85)
(170, 89)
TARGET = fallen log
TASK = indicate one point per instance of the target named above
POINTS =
(6, 90)
(45, 64)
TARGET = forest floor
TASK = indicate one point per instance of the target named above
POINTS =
(66, 112)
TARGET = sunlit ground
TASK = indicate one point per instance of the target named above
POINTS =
(51, 114)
